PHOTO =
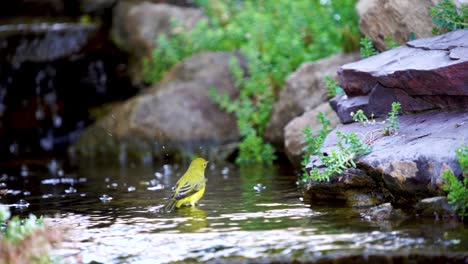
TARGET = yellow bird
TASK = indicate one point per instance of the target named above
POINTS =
(190, 187)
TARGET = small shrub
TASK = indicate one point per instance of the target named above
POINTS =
(360, 117)
(26, 240)
(457, 190)
(367, 48)
(333, 89)
(349, 148)
(447, 17)
(390, 43)
(392, 123)
(462, 155)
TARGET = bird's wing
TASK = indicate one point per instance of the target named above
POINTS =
(187, 189)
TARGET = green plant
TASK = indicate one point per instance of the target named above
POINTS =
(390, 43)
(367, 48)
(457, 190)
(360, 117)
(462, 155)
(333, 89)
(448, 17)
(338, 159)
(274, 37)
(25, 240)
(392, 123)
(312, 143)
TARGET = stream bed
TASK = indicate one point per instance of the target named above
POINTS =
(249, 215)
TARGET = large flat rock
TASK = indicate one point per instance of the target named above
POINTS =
(411, 163)
(425, 74)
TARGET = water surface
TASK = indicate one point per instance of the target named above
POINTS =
(252, 214)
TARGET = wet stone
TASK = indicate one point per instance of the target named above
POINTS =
(437, 207)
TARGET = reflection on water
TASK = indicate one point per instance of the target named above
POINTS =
(252, 213)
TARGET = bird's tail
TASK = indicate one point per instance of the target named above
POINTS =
(170, 205)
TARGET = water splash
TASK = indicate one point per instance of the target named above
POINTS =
(105, 198)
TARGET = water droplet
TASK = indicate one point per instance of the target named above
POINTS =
(131, 188)
(105, 198)
(115, 185)
(259, 187)
(40, 114)
(26, 193)
(14, 148)
(24, 171)
(107, 179)
(70, 190)
(156, 187)
(225, 171)
(167, 169)
(57, 121)
(158, 175)
(301, 199)
(47, 195)
(50, 99)
(47, 143)
(60, 173)
(53, 166)
(22, 204)
(3, 185)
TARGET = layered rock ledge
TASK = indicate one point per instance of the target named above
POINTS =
(409, 165)
(424, 74)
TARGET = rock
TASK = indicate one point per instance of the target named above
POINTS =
(177, 116)
(382, 212)
(96, 6)
(293, 131)
(412, 162)
(426, 74)
(35, 8)
(435, 207)
(45, 42)
(353, 188)
(395, 18)
(137, 25)
(304, 91)
(344, 106)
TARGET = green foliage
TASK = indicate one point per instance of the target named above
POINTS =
(338, 159)
(390, 43)
(462, 155)
(447, 17)
(333, 89)
(392, 123)
(17, 229)
(275, 37)
(360, 117)
(312, 143)
(457, 190)
(367, 48)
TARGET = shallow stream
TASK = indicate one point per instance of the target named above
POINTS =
(254, 215)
